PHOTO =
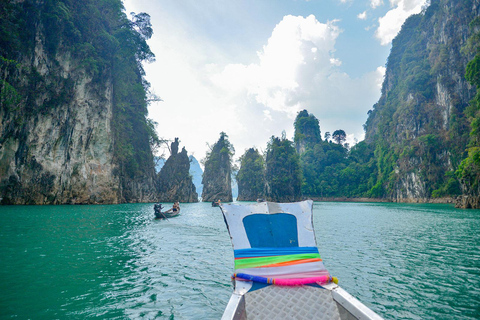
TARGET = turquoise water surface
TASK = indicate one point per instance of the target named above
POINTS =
(117, 262)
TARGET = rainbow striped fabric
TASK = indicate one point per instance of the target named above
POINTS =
(274, 257)
(282, 266)
(275, 243)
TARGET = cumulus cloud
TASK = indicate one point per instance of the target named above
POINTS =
(297, 45)
(392, 21)
(362, 16)
(206, 90)
(375, 3)
(297, 69)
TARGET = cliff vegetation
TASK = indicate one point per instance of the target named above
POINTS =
(283, 173)
(174, 180)
(73, 103)
(217, 180)
(251, 176)
(422, 136)
(469, 169)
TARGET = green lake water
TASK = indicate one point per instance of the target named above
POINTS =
(117, 262)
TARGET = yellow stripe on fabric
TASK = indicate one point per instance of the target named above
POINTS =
(291, 263)
(263, 261)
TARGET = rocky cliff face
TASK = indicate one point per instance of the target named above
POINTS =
(174, 180)
(307, 131)
(59, 155)
(217, 181)
(418, 124)
(56, 137)
(196, 172)
(251, 176)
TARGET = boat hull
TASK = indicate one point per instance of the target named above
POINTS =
(299, 302)
(166, 215)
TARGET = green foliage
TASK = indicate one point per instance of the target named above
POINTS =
(450, 188)
(174, 180)
(469, 169)
(251, 176)
(220, 154)
(414, 133)
(283, 172)
(330, 169)
(307, 129)
(218, 169)
(418, 130)
(99, 40)
(339, 136)
(472, 73)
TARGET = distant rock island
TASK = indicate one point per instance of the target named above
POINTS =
(196, 172)
(251, 176)
(74, 126)
(217, 180)
(174, 180)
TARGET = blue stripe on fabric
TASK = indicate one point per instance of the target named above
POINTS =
(266, 252)
(271, 230)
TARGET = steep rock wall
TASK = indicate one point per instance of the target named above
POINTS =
(63, 154)
(217, 177)
(174, 180)
(56, 136)
(418, 124)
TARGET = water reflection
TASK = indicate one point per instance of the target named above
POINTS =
(117, 262)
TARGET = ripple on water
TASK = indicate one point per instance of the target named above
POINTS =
(117, 262)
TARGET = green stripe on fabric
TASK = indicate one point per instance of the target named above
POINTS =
(262, 261)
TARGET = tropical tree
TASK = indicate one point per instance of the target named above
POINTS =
(327, 135)
(251, 176)
(469, 169)
(339, 136)
(307, 131)
(217, 181)
(283, 172)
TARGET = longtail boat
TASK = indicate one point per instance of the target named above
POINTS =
(278, 270)
(157, 210)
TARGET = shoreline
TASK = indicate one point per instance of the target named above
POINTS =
(410, 200)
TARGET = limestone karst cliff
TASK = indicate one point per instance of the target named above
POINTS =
(251, 176)
(196, 172)
(174, 180)
(73, 126)
(217, 180)
(418, 126)
(283, 172)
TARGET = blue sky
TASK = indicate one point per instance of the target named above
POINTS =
(247, 67)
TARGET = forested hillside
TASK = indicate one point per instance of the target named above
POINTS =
(174, 180)
(251, 176)
(73, 103)
(422, 136)
(217, 177)
(419, 127)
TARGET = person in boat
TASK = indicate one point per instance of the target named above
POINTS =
(157, 207)
(175, 208)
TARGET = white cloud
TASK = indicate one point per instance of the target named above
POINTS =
(362, 16)
(375, 3)
(206, 91)
(297, 69)
(335, 62)
(392, 21)
(380, 74)
(296, 45)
